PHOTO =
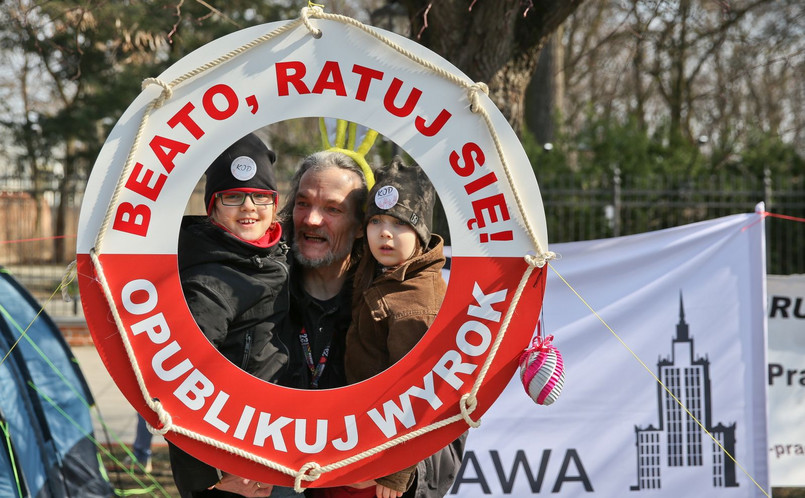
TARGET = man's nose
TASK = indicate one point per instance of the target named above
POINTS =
(313, 217)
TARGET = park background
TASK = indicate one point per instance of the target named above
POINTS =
(636, 115)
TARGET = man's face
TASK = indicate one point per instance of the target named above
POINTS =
(325, 225)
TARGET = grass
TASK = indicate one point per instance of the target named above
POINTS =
(135, 482)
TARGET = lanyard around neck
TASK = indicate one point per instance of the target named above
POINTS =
(318, 369)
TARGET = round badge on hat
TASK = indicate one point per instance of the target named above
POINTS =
(387, 197)
(244, 168)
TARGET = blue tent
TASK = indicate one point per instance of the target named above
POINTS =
(47, 447)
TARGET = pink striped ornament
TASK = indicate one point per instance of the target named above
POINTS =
(542, 371)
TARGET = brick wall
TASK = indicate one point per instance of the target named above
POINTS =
(75, 332)
(18, 223)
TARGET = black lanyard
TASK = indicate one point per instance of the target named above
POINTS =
(315, 370)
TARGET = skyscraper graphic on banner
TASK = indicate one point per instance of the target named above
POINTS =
(679, 444)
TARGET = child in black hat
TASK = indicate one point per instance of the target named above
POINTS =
(398, 284)
(233, 270)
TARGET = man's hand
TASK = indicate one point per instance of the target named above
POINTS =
(241, 486)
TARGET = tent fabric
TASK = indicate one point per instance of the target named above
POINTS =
(9, 464)
(24, 450)
(45, 403)
(20, 414)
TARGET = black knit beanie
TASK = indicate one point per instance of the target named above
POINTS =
(405, 193)
(247, 163)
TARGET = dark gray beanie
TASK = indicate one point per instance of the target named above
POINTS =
(405, 193)
(247, 163)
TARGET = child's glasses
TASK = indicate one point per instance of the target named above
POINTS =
(237, 198)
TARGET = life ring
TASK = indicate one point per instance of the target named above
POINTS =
(145, 173)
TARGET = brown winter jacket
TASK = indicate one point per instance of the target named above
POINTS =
(389, 318)
(393, 314)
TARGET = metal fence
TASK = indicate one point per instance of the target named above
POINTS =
(577, 208)
(610, 206)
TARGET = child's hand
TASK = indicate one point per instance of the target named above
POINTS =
(384, 492)
(243, 487)
(363, 484)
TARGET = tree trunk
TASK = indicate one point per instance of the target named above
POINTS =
(493, 42)
(545, 93)
(66, 190)
(496, 42)
(60, 245)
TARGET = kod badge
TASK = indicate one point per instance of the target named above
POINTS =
(387, 197)
(244, 168)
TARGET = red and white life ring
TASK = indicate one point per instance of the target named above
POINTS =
(129, 226)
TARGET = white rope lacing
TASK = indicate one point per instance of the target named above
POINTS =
(468, 401)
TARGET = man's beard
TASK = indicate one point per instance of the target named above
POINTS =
(323, 261)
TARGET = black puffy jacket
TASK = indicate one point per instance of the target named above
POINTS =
(237, 293)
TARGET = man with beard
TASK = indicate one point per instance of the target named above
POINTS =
(323, 219)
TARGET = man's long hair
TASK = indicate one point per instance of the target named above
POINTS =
(320, 161)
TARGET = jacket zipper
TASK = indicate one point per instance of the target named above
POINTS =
(247, 348)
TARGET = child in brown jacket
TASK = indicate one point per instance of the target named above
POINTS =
(398, 288)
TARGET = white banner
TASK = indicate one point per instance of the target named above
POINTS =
(685, 305)
(786, 379)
